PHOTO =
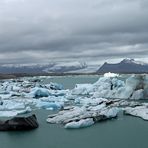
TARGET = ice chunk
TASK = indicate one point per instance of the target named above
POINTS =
(89, 101)
(16, 88)
(82, 89)
(5, 96)
(8, 113)
(110, 112)
(14, 112)
(11, 104)
(56, 86)
(49, 105)
(139, 111)
(133, 88)
(138, 94)
(133, 82)
(109, 74)
(39, 92)
(80, 124)
(105, 82)
(67, 115)
(78, 117)
(97, 108)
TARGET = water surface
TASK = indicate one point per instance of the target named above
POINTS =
(124, 132)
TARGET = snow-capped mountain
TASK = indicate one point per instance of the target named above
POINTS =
(57, 67)
(128, 60)
(34, 68)
(65, 67)
(125, 66)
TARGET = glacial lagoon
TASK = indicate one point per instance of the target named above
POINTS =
(125, 131)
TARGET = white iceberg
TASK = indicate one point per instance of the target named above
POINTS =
(78, 117)
(13, 113)
(109, 74)
(80, 124)
(38, 92)
(82, 89)
(110, 112)
(63, 116)
(89, 101)
(11, 105)
(139, 111)
(55, 86)
(138, 94)
(97, 108)
(135, 87)
(49, 105)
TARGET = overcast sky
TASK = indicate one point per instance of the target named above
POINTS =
(38, 31)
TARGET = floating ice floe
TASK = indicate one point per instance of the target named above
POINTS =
(82, 89)
(80, 107)
(78, 117)
(110, 112)
(13, 113)
(80, 124)
(11, 104)
(55, 86)
(5, 96)
(139, 111)
(109, 74)
(89, 101)
(38, 92)
(49, 105)
(135, 87)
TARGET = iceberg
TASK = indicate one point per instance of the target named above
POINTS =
(63, 116)
(80, 124)
(139, 111)
(56, 86)
(82, 89)
(109, 74)
(80, 107)
(13, 113)
(50, 105)
(38, 92)
(97, 108)
(135, 87)
(78, 117)
(138, 94)
(110, 113)
(89, 101)
(11, 104)
(5, 96)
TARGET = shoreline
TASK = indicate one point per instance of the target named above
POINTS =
(19, 75)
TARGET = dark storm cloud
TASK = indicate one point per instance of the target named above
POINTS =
(43, 30)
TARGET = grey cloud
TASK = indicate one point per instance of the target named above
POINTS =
(72, 29)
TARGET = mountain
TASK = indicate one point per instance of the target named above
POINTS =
(125, 66)
(57, 67)
(35, 68)
(70, 67)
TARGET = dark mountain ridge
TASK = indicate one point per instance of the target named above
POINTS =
(125, 66)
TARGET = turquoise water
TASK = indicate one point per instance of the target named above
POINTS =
(69, 81)
(124, 132)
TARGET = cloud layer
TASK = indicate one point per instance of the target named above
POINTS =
(38, 31)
